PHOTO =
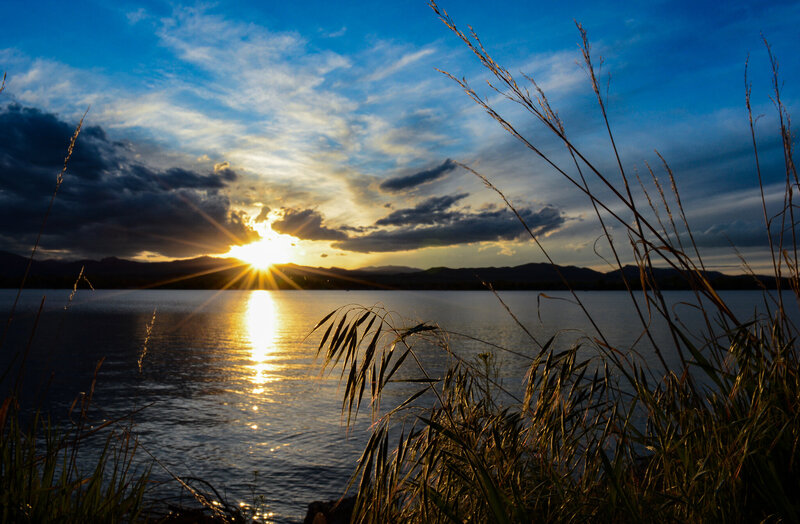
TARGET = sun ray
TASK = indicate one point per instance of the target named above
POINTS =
(272, 249)
(189, 276)
(283, 277)
(230, 283)
(340, 276)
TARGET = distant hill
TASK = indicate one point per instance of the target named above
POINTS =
(389, 269)
(228, 273)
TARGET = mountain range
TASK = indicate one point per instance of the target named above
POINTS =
(227, 273)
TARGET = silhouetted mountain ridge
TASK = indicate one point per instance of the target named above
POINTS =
(221, 273)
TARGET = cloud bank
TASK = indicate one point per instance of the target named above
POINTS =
(432, 223)
(306, 224)
(404, 183)
(110, 203)
(459, 228)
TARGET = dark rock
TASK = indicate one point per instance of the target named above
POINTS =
(330, 512)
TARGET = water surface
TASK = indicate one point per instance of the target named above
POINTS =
(233, 392)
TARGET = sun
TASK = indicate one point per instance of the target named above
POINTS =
(270, 250)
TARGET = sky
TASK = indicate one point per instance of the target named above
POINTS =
(326, 132)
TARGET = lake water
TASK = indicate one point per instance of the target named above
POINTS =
(231, 382)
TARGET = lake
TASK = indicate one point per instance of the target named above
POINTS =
(231, 383)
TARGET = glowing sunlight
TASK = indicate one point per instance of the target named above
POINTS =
(270, 250)
(261, 321)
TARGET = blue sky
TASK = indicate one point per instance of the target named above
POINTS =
(325, 125)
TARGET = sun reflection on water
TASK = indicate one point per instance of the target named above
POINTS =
(261, 320)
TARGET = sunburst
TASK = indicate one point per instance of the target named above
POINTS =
(264, 253)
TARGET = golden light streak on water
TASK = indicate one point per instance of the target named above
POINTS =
(261, 321)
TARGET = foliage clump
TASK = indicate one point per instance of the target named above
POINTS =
(599, 433)
(46, 477)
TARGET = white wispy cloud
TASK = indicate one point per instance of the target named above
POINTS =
(134, 17)
(399, 64)
(308, 126)
(271, 105)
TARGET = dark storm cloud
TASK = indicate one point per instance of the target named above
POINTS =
(224, 171)
(176, 177)
(306, 224)
(457, 228)
(431, 211)
(109, 204)
(402, 183)
(433, 222)
(262, 216)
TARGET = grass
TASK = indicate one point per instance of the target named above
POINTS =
(45, 475)
(43, 480)
(82, 472)
(598, 434)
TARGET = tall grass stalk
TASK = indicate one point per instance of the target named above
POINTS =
(598, 434)
(59, 181)
(43, 480)
(82, 472)
(45, 474)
